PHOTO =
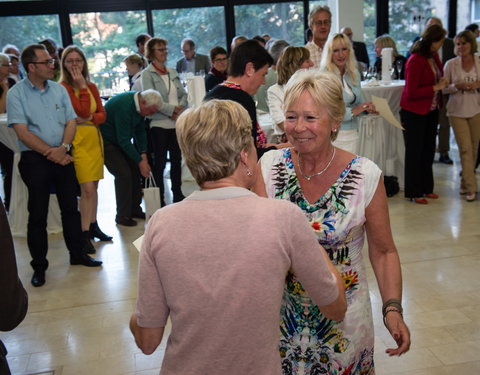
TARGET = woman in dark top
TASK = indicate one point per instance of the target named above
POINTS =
(386, 41)
(419, 104)
(249, 63)
(218, 73)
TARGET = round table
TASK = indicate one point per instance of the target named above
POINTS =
(380, 141)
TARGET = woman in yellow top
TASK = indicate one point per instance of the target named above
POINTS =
(87, 144)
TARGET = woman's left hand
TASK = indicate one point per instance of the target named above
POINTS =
(369, 107)
(400, 333)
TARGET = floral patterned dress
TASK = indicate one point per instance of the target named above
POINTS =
(310, 343)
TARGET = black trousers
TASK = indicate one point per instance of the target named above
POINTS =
(419, 135)
(128, 190)
(163, 141)
(40, 174)
(6, 163)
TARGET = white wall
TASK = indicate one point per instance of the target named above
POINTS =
(347, 13)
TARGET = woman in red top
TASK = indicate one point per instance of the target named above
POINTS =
(87, 144)
(420, 101)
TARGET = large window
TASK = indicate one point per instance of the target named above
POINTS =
(107, 38)
(370, 27)
(205, 26)
(24, 30)
(279, 20)
(465, 13)
(406, 25)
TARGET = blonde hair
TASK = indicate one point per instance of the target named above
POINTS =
(211, 138)
(65, 75)
(326, 63)
(325, 89)
(289, 62)
(135, 58)
(468, 37)
(386, 41)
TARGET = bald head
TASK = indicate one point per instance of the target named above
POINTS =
(434, 21)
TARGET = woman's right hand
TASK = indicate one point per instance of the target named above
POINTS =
(441, 84)
(78, 78)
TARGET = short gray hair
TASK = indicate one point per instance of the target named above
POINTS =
(315, 11)
(276, 48)
(211, 138)
(151, 97)
(4, 58)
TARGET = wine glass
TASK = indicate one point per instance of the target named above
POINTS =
(399, 66)
(391, 70)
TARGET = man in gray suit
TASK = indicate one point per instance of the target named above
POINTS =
(192, 62)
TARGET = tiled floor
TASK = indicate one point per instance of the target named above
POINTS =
(78, 322)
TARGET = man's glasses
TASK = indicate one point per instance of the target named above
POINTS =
(7, 65)
(322, 23)
(221, 59)
(46, 62)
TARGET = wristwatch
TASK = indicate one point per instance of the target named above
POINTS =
(67, 146)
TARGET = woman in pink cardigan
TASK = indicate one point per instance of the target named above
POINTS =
(463, 107)
(420, 101)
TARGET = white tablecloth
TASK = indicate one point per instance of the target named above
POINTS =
(380, 141)
(18, 213)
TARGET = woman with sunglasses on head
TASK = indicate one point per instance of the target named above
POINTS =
(165, 80)
(87, 146)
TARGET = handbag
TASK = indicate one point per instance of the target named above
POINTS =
(151, 196)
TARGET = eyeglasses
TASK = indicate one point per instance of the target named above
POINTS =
(221, 59)
(74, 61)
(46, 62)
(322, 23)
(7, 65)
(161, 49)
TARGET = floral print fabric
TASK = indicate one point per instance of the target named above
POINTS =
(310, 343)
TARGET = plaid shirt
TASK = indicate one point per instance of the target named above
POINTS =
(315, 53)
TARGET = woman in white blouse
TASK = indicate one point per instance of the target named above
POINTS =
(291, 59)
(463, 107)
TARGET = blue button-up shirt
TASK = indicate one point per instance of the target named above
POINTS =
(46, 112)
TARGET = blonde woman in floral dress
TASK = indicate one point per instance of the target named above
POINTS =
(343, 197)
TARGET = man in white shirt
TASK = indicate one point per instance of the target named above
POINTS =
(319, 21)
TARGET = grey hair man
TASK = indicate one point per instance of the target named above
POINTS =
(320, 22)
(192, 62)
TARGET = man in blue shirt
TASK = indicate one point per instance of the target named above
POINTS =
(43, 118)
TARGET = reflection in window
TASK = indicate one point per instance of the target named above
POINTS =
(280, 21)
(312, 4)
(404, 27)
(205, 26)
(24, 30)
(370, 27)
(106, 39)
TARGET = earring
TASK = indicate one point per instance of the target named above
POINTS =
(334, 130)
(249, 173)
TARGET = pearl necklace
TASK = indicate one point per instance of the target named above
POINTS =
(309, 177)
